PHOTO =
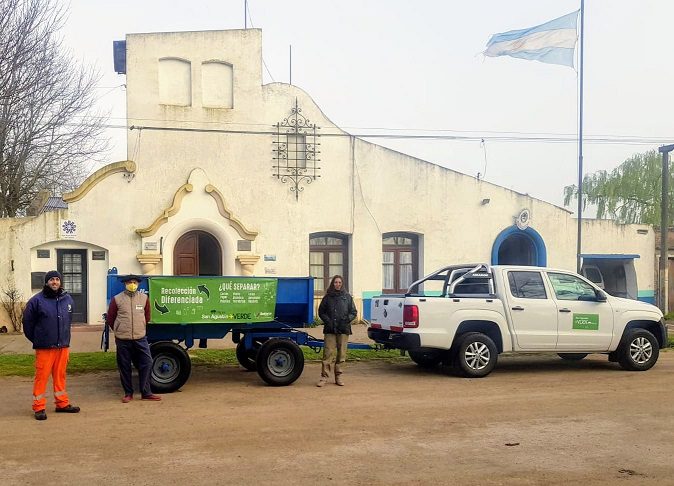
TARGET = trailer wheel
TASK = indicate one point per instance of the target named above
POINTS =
(280, 362)
(248, 357)
(171, 367)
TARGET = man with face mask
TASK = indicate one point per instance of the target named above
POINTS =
(128, 314)
(46, 323)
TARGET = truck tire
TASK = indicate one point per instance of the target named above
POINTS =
(572, 356)
(426, 358)
(280, 362)
(476, 355)
(171, 367)
(638, 351)
(248, 357)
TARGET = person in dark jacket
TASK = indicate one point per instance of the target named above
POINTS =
(337, 310)
(46, 323)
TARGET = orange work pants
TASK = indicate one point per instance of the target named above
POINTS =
(50, 362)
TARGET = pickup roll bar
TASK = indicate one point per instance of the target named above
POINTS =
(454, 275)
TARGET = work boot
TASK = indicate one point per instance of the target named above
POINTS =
(41, 415)
(321, 382)
(127, 398)
(68, 409)
(339, 381)
(154, 398)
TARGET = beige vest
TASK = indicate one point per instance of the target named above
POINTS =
(130, 321)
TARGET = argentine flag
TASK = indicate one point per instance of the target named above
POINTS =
(552, 42)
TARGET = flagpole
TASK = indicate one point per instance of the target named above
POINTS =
(580, 140)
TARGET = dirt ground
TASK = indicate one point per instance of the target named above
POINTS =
(535, 420)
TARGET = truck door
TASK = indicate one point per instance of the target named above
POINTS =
(533, 313)
(584, 323)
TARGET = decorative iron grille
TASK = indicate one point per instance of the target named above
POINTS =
(296, 151)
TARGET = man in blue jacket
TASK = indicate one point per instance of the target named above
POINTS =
(46, 323)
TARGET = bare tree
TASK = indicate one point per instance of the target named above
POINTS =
(49, 130)
(12, 302)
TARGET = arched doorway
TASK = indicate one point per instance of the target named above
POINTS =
(514, 246)
(197, 253)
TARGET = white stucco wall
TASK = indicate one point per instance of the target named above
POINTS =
(363, 190)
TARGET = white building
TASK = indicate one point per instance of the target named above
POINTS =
(226, 175)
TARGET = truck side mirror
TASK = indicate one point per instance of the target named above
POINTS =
(601, 296)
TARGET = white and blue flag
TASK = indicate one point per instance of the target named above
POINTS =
(552, 42)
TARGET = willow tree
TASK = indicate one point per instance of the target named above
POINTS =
(630, 193)
(49, 130)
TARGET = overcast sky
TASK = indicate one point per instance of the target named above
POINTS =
(414, 67)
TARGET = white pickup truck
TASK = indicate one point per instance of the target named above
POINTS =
(464, 316)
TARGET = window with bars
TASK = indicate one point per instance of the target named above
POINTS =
(328, 256)
(72, 273)
(297, 150)
(400, 261)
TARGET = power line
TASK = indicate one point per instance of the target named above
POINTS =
(247, 7)
(470, 138)
(429, 133)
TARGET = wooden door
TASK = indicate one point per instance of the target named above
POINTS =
(186, 255)
(197, 253)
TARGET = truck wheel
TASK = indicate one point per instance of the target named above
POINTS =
(572, 356)
(476, 355)
(426, 358)
(248, 357)
(171, 367)
(638, 351)
(280, 362)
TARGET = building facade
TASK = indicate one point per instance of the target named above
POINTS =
(226, 175)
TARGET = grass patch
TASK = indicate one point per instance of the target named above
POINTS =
(225, 357)
(23, 364)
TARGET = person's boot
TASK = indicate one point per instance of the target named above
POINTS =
(68, 409)
(339, 381)
(322, 382)
(41, 415)
(151, 397)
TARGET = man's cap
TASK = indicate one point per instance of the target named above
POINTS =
(51, 274)
(126, 278)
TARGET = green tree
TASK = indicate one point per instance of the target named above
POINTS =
(630, 193)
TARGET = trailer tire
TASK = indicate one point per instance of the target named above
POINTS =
(171, 367)
(280, 362)
(248, 357)
(426, 358)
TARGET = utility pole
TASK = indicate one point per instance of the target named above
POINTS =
(663, 281)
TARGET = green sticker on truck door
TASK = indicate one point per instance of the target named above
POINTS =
(586, 322)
